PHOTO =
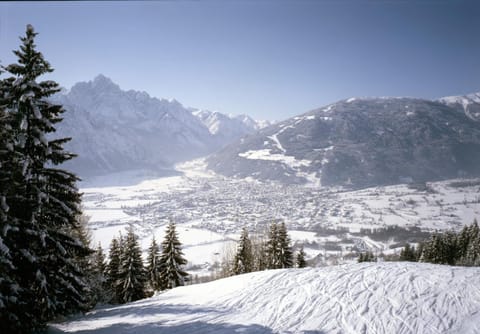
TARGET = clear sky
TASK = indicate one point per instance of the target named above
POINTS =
(267, 59)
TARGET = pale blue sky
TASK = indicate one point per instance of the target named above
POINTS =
(268, 59)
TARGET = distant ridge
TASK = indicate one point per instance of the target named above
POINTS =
(361, 142)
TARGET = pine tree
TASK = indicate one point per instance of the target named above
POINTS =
(82, 233)
(285, 254)
(131, 275)
(361, 258)
(100, 267)
(463, 240)
(8, 286)
(172, 259)
(97, 282)
(43, 201)
(367, 257)
(408, 254)
(441, 249)
(450, 249)
(301, 262)
(153, 266)
(419, 252)
(273, 248)
(259, 250)
(243, 262)
(472, 256)
(431, 250)
(112, 271)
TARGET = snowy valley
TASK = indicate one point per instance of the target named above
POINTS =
(333, 224)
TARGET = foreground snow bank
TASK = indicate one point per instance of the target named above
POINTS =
(359, 298)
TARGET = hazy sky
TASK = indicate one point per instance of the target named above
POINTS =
(268, 59)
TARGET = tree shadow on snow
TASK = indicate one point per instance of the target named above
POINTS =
(110, 320)
(114, 324)
(197, 327)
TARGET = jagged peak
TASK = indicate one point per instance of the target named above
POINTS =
(102, 81)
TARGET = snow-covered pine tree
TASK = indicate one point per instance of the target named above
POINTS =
(463, 240)
(153, 266)
(285, 255)
(8, 286)
(82, 233)
(301, 262)
(432, 250)
(45, 201)
(113, 267)
(449, 248)
(172, 260)
(259, 250)
(273, 248)
(99, 264)
(131, 275)
(419, 251)
(97, 282)
(473, 250)
(367, 257)
(408, 253)
(361, 258)
(441, 249)
(243, 262)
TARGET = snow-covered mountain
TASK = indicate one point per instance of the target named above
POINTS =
(115, 130)
(395, 297)
(362, 142)
(470, 104)
(224, 128)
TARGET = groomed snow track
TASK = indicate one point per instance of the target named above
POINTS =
(394, 297)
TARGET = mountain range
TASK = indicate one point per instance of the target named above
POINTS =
(114, 130)
(361, 142)
(357, 142)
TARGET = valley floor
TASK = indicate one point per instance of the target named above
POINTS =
(210, 210)
(389, 297)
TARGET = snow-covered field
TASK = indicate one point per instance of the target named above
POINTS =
(395, 297)
(210, 210)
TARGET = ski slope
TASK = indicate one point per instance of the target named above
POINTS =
(395, 297)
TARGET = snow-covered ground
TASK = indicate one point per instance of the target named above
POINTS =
(393, 297)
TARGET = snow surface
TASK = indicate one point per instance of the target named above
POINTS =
(395, 297)
(266, 154)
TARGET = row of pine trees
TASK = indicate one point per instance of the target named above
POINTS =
(452, 248)
(462, 248)
(273, 253)
(125, 278)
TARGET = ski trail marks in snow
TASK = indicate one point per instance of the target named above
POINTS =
(367, 298)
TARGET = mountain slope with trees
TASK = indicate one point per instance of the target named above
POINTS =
(362, 142)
